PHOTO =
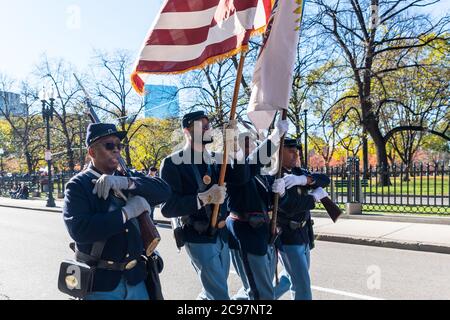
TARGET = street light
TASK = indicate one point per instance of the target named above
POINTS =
(305, 112)
(48, 100)
(2, 152)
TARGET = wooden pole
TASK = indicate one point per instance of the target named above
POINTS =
(223, 168)
(276, 198)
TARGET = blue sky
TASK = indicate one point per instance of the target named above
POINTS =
(71, 29)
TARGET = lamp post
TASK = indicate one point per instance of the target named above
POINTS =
(48, 100)
(2, 152)
(305, 112)
(80, 118)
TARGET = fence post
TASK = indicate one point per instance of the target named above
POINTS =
(354, 205)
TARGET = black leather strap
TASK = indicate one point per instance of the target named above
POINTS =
(103, 264)
(201, 185)
(97, 249)
(263, 182)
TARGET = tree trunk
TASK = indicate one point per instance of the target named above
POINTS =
(70, 157)
(380, 146)
(127, 153)
(29, 161)
(298, 136)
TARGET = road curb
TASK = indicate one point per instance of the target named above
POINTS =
(374, 242)
(384, 243)
(57, 210)
(389, 218)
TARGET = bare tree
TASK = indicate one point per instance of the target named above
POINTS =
(365, 31)
(117, 99)
(25, 122)
(58, 73)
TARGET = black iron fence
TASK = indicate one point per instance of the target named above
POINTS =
(37, 184)
(419, 188)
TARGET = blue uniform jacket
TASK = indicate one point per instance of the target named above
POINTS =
(90, 219)
(178, 171)
(298, 208)
(254, 195)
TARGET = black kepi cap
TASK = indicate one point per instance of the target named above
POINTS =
(291, 143)
(96, 131)
(189, 118)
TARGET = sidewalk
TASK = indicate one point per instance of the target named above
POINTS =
(400, 232)
(31, 204)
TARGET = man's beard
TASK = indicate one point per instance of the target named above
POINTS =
(205, 142)
(207, 138)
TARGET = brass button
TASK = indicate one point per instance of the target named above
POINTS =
(131, 265)
(71, 282)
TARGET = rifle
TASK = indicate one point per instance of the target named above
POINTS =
(332, 209)
(149, 233)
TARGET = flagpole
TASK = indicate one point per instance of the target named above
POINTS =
(276, 197)
(223, 168)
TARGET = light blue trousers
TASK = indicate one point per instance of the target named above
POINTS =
(244, 292)
(123, 291)
(257, 274)
(295, 276)
(211, 261)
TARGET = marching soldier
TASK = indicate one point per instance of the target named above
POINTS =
(193, 175)
(105, 230)
(294, 220)
(249, 220)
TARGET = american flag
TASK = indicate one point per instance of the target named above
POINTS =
(190, 34)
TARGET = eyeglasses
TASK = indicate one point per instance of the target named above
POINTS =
(110, 146)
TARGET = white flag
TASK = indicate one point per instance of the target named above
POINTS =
(272, 80)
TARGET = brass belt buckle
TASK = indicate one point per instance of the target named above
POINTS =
(130, 265)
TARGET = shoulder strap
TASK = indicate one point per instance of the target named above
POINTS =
(198, 179)
(262, 203)
(97, 247)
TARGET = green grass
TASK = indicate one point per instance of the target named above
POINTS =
(428, 187)
(400, 209)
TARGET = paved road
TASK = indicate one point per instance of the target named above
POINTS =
(33, 243)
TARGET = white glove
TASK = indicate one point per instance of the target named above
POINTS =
(292, 180)
(279, 187)
(107, 182)
(319, 194)
(135, 206)
(215, 195)
(281, 128)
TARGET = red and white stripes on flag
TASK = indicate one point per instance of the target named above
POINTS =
(190, 34)
(273, 75)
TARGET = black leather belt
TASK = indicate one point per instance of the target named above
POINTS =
(254, 219)
(247, 215)
(292, 224)
(105, 264)
(202, 226)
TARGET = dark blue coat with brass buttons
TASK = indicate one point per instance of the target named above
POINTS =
(178, 170)
(253, 195)
(90, 219)
(298, 209)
